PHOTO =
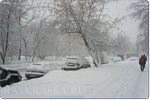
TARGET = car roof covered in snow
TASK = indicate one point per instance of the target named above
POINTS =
(74, 57)
(42, 63)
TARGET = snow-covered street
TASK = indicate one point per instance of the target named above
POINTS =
(114, 80)
(74, 49)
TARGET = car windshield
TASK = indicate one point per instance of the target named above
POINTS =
(71, 64)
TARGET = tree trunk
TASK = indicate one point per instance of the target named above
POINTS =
(33, 55)
(3, 60)
(95, 59)
(26, 51)
(7, 40)
(19, 57)
(99, 59)
(35, 48)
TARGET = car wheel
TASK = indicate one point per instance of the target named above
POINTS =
(27, 76)
(62, 68)
(17, 79)
(9, 81)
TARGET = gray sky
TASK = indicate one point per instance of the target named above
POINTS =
(130, 26)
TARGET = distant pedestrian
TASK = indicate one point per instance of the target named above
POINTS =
(145, 58)
(142, 62)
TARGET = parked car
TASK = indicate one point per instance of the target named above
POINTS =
(39, 69)
(133, 59)
(117, 59)
(8, 77)
(75, 63)
(131, 54)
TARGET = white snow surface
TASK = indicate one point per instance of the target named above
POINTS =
(113, 80)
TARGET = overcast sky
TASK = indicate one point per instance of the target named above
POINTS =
(130, 26)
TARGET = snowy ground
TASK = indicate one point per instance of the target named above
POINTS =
(114, 80)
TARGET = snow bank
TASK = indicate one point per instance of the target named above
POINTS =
(113, 80)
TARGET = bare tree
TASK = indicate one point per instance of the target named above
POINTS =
(13, 17)
(39, 30)
(87, 19)
(141, 12)
(7, 19)
(23, 17)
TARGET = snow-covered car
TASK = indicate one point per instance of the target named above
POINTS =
(75, 63)
(117, 59)
(8, 77)
(39, 69)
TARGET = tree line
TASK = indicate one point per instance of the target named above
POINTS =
(24, 31)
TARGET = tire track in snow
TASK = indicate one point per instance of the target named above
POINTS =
(131, 87)
(105, 90)
(141, 84)
(122, 85)
(131, 83)
(128, 83)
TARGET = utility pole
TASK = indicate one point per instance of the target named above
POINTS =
(19, 57)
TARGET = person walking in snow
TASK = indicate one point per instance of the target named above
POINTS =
(145, 58)
(142, 61)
